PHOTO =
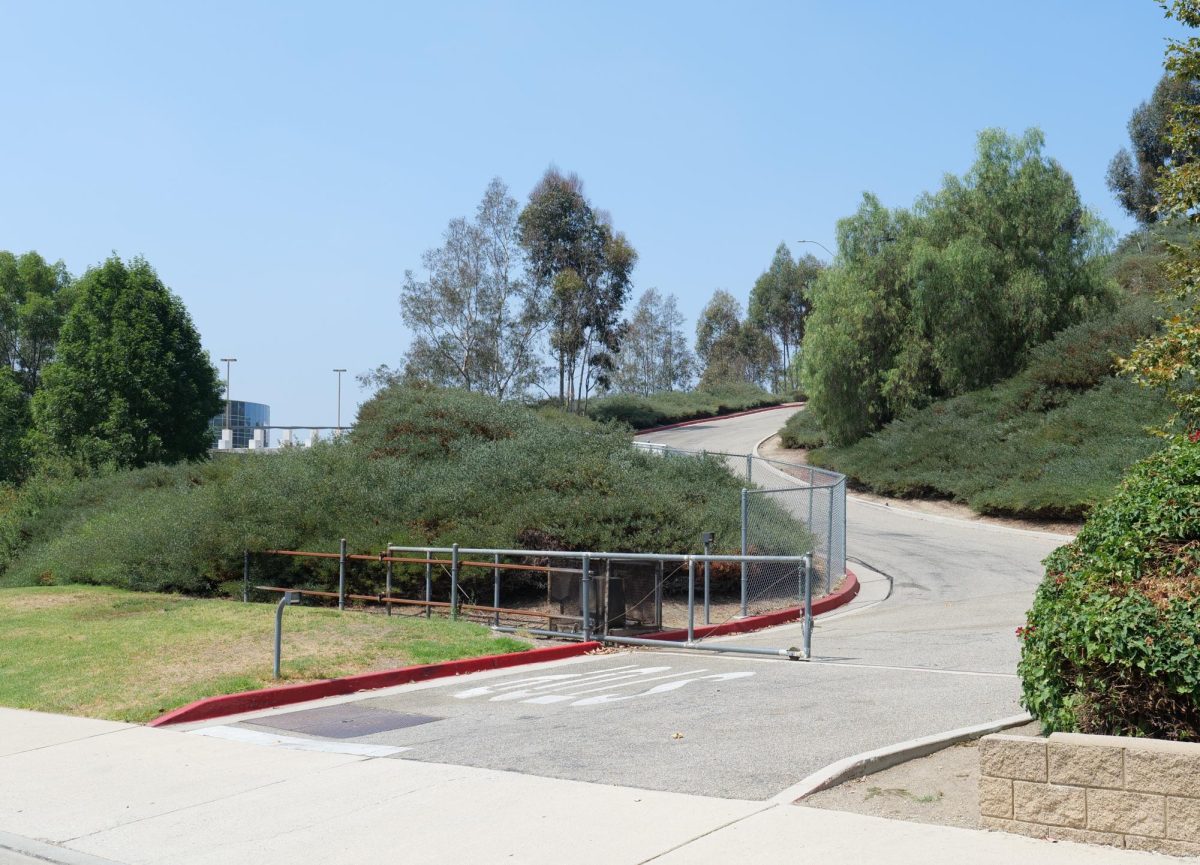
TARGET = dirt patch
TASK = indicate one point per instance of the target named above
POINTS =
(942, 788)
(773, 449)
(48, 599)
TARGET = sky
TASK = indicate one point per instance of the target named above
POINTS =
(282, 164)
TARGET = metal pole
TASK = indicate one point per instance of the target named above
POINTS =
(227, 361)
(454, 581)
(808, 610)
(749, 469)
(745, 564)
(707, 583)
(585, 596)
(496, 588)
(342, 574)
(245, 576)
(691, 599)
(283, 602)
(339, 412)
(658, 592)
(428, 582)
(829, 547)
(387, 587)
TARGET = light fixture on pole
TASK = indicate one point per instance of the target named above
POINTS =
(818, 243)
(339, 414)
(227, 361)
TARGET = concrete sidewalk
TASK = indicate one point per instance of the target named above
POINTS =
(100, 791)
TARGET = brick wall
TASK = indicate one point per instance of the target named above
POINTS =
(1143, 794)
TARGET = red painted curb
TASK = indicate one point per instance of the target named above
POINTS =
(699, 420)
(840, 598)
(269, 698)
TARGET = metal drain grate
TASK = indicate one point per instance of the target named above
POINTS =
(344, 721)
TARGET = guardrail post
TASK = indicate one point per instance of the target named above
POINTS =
(245, 576)
(454, 581)
(745, 566)
(691, 599)
(806, 566)
(428, 582)
(342, 574)
(496, 589)
(585, 596)
(658, 592)
(387, 586)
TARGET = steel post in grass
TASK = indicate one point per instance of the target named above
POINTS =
(387, 587)
(342, 574)
(288, 598)
(245, 576)
(691, 599)
(745, 565)
(428, 582)
(806, 566)
(496, 588)
(585, 596)
(454, 581)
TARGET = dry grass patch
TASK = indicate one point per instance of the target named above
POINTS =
(129, 656)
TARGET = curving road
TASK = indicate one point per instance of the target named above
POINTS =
(959, 588)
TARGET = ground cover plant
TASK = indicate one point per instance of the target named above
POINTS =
(668, 407)
(1049, 442)
(424, 466)
(109, 653)
(1110, 645)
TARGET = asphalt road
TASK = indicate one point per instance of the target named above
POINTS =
(929, 646)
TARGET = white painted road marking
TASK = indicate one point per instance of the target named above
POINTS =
(570, 687)
(255, 737)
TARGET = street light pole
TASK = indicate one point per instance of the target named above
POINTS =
(818, 243)
(339, 414)
(227, 361)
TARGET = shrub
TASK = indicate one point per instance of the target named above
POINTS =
(1110, 646)
(422, 467)
(660, 409)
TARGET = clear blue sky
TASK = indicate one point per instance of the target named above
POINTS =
(282, 165)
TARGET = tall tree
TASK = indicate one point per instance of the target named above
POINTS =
(130, 383)
(586, 266)
(732, 350)
(476, 318)
(1171, 359)
(1133, 178)
(782, 298)
(953, 295)
(34, 299)
(654, 355)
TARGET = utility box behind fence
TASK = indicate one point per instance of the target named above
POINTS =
(625, 597)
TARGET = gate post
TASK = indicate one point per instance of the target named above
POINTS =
(585, 596)
(454, 581)
(745, 567)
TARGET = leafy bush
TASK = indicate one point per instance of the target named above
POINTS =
(422, 467)
(1111, 642)
(660, 409)
(1049, 442)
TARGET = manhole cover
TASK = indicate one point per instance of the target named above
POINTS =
(344, 721)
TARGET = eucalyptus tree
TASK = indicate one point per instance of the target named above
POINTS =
(654, 356)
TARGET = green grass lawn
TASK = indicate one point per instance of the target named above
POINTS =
(130, 656)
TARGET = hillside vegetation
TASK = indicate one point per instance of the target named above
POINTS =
(1050, 442)
(668, 407)
(424, 466)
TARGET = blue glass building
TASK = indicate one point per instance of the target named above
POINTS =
(244, 418)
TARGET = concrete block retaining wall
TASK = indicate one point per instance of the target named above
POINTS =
(1142, 794)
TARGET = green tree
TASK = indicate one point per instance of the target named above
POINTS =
(953, 295)
(733, 350)
(1133, 178)
(476, 320)
(34, 299)
(781, 300)
(587, 266)
(654, 356)
(130, 383)
(1171, 359)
